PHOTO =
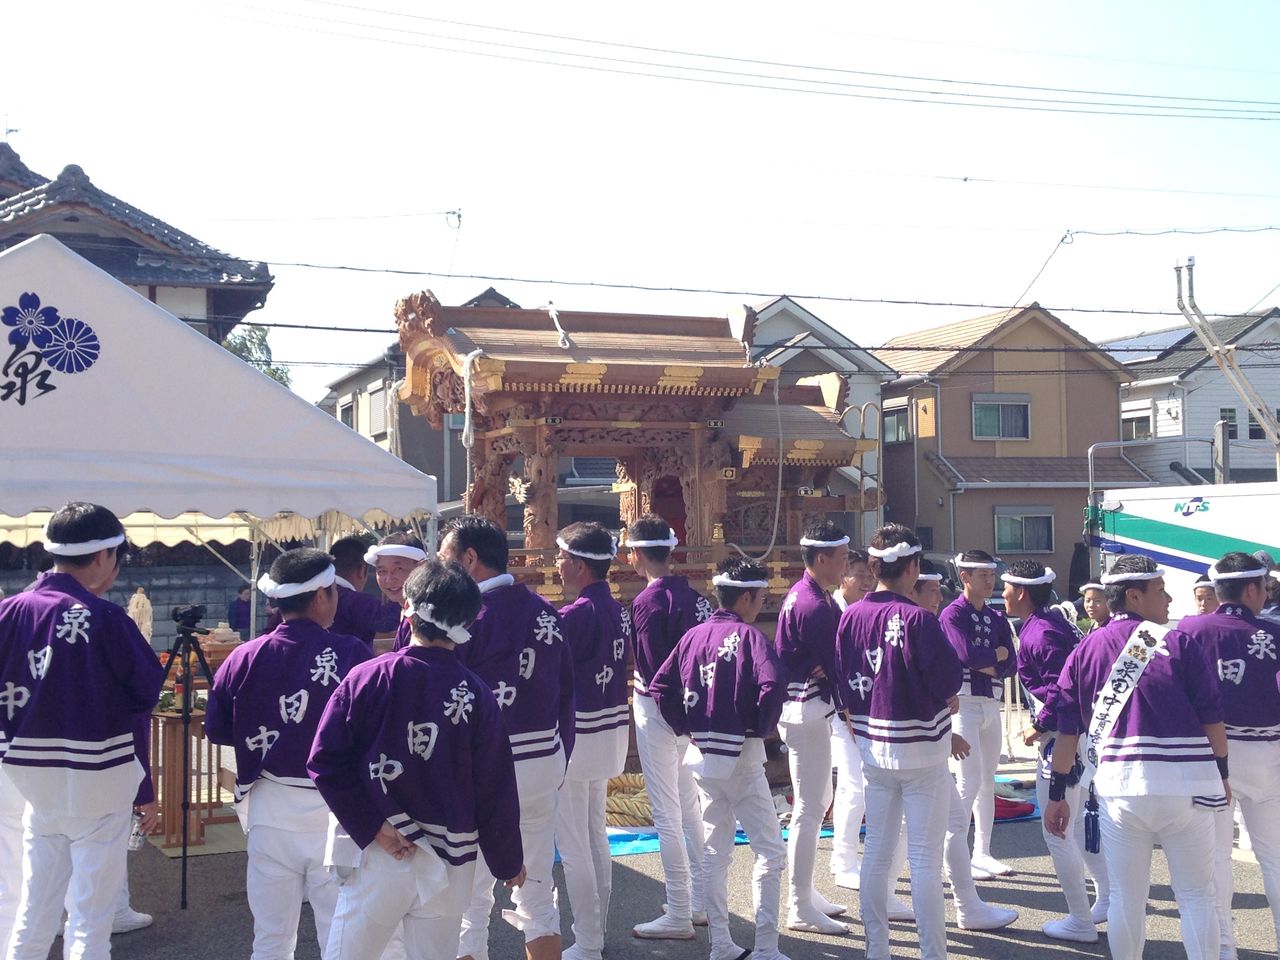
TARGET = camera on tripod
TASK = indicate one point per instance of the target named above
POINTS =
(188, 615)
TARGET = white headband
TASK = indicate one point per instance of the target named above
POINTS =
(721, 580)
(671, 541)
(1049, 577)
(1091, 586)
(455, 631)
(929, 576)
(82, 549)
(824, 544)
(280, 591)
(1215, 575)
(394, 550)
(964, 564)
(589, 556)
(894, 553)
(1111, 578)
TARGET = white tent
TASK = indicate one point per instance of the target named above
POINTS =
(106, 397)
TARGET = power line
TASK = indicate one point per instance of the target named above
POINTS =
(1193, 231)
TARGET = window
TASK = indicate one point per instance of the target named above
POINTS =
(1229, 414)
(896, 426)
(346, 413)
(1255, 429)
(1135, 427)
(1024, 529)
(1001, 416)
(377, 411)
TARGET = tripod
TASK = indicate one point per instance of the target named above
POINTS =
(185, 644)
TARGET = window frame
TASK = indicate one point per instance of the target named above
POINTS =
(898, 414)
(1022, 513)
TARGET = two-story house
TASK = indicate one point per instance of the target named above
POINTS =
(1176, 392)
(987, 430)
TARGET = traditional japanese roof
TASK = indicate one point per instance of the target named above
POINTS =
(16, 176)
(568, 351)
(811, 432)
(131, 245)
(1038, 471)
(939, 350)
(1177, 351)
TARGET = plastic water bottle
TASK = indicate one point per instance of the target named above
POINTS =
(136, 836)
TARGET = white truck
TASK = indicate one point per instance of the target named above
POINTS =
(1185, 529)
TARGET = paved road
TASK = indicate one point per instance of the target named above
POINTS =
(217, 923)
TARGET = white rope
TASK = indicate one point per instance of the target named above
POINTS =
(282, 591)
(898, 551)
(721, 580)
(963, 564)
(672, 541)
(1111, 578)
(560, 542)
(454, 631)
(1047, 577)
(1255, 574)
(824, 544)
(468, 426)
(777, 501)
(81, 549)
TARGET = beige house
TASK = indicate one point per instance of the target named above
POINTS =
(986, 435)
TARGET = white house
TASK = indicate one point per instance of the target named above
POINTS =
(1179, 392)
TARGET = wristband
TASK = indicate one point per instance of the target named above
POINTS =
(1222, 766)
(1057, 786)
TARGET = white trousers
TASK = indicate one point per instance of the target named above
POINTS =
(76, 860)
(380, 895)
(284, 867)
(1131, 826)
(921, 795)
(11, 807)
(677, 812)
(583, 841)
(978, 721)
(743, 797)
(850, 805)
(809, 761)
(1070, 859)
(1255, 784)
(536, 913)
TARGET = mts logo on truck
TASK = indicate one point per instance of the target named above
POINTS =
(1194, 505)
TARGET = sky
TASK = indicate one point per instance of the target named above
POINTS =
(732, 147)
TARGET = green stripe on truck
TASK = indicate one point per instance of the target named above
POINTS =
(1174, 536)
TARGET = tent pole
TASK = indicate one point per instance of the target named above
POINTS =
(255, 557)
(225, 562)
(433, 534)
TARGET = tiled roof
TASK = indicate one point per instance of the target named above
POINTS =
(1065, 470)
(756, 417)
(1176, 351)
(185, 261)
(15, 175)
(926, 351)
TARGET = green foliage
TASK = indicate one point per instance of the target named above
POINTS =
(249, 342)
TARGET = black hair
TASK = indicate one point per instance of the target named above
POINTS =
(823, 530)
(589, 536)
(926, 566)
(1129, 563)
(858, 555)
(1231, 591)
(348, 553)
(651, 527)
(401, 540)
(486, 538)
(975, 556)
(888, 536)
(742, 569)
(81, 522)
(454, 597)
(298, 566)
(1040, 593)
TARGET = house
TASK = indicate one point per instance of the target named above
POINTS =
(1175, 390)
(987, 430)
(209, 289)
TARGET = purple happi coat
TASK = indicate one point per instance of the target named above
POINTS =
(595, 632)
(267, 698)
(416, 739)
(975, 635)
(362, 615)
(1157, 745)
(1045, 639)
(663, 612)
(896, 671)
(1243, 649)
(77, 684)
(723, 686)
(806, 640)
(517, 647)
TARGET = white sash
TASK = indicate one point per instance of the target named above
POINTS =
(1134, 656)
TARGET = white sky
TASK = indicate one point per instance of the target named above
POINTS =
(276, 130)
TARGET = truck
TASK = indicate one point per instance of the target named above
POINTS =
(1184, 529)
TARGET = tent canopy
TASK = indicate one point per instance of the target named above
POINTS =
(106, 397)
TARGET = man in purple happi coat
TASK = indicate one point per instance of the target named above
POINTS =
(266, 701)
(596, 638)
(1243, 648)
(661, 613)
(723, 686)
(1045, 640)
(899, 677)
(360, 614)
(805, 643)
(412, 757)
(77, 682)
(1146, 699)
(393, 558)
(518, 648)
(981, 638)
